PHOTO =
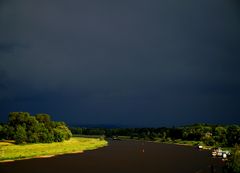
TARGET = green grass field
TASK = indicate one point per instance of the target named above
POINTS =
(10, 151)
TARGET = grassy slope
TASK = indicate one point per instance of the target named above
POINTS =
(10, 151)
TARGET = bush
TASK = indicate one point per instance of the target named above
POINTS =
(58, 135)
(32, 137)
(2, 133)
(233, 135)
(233, 163)
(20, 135)
(9, 132)
(62, 133)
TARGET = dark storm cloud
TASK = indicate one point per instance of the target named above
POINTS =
(6, 47)
(128, 62)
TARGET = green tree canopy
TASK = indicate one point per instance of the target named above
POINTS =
(24, 128)
(20, 135)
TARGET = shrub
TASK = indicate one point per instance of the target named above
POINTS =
(233, 163)
(20, 135)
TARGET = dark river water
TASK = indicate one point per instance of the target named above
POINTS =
(123, 157)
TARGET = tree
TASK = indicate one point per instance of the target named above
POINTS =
(43, 134)
(220, 135)
(43, 118)
(58, 135)
(8, 132)
(33, 137)
(1, 132)
(18, 118)
(76, 130)
(233, 135)
(233, 163)
(61, 133)
(22, 127)
(20, 135)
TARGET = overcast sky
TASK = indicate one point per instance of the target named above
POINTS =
(128, 62)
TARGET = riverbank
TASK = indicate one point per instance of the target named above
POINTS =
(176, 142)
(10, 151)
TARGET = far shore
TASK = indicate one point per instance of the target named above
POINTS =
(176, 142)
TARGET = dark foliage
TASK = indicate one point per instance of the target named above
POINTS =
(24, 128)
(212, 135)
(233, 164)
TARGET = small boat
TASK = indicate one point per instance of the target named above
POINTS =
(220, 153)
(214, 153)
(224, 155)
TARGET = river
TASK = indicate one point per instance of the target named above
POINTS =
(123, 157)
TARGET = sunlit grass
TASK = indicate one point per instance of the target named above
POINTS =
(10, 151)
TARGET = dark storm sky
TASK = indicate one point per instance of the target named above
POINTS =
(128, 62)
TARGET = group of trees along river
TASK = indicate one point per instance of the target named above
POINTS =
(25, 128)
(211, 135)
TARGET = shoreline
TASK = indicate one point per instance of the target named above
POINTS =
(41, 156)
(159, 142)
(176, 143)
(40, 150)
(81, 151)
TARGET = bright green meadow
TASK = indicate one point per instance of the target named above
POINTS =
(11, 151)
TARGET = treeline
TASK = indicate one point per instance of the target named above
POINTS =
(25, 128)
(211, 135)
